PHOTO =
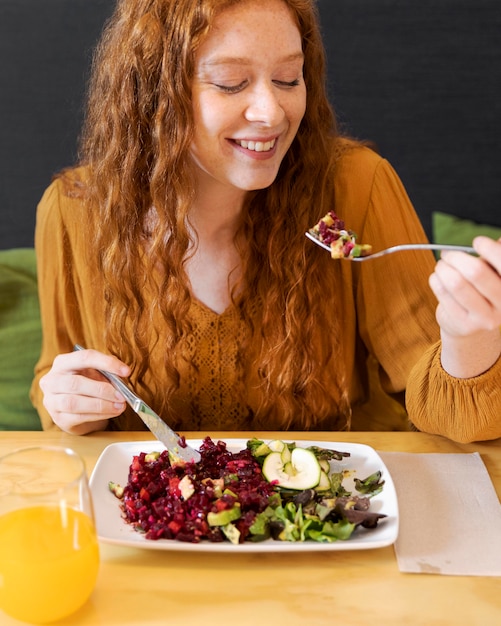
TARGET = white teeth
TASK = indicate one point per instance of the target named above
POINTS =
(257, 146)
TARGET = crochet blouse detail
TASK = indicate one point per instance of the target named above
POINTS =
(215, 391)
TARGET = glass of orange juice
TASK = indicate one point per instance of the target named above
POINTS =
(49, 555)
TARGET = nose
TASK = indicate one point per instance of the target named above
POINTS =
(264, 105)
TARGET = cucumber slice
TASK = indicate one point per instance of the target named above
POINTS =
(324, 483)
(276, 445)
(325, 465)
(286, 455)
(301, 472)
(273, 467)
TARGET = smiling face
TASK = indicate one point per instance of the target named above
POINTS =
(248, 96)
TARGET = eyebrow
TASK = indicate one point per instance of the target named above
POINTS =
(245, 60)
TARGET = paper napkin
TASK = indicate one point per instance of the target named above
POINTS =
(450, 515)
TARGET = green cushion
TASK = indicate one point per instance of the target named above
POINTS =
(455, 230)
(20, 338)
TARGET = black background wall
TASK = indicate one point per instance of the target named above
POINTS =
(45, 52)
(421, 78)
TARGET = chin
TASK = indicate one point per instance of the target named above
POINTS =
(262, 183)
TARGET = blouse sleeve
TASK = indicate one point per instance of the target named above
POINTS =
(58, 302)
(395, 305)
(396, 310)
(463, 410)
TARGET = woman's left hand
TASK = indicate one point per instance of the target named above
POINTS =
(468, 289)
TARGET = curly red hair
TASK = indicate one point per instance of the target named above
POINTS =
(136, 147)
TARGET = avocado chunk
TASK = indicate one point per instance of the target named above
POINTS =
(222, 518)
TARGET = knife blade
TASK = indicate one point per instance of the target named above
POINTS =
(177, 447)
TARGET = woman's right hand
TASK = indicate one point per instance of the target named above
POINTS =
(79, 399)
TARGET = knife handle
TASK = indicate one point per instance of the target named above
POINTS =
(118, 384)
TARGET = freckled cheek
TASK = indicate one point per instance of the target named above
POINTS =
(295, 115)
(296, 109)
(302, 106)
(212, 111)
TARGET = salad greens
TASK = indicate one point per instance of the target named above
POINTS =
(321, 511)
(272, 489)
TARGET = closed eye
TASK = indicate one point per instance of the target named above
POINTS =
(282, 83)
(232, 88)
(237, 88)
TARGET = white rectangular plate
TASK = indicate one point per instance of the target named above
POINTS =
(113, 465)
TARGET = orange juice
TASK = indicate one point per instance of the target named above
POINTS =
(49, 560)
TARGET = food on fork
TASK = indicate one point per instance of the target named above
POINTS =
(331, 231)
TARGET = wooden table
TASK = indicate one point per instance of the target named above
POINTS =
(352, 588)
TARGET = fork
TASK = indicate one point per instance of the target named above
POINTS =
(405, 246)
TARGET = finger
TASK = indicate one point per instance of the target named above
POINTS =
(74, 408)
(463, 308)
(83, 408)
(78, 385)
(450, 315)
(449, 283)
(76, 423)
(90, 359)
(473, 282)
(490, 250)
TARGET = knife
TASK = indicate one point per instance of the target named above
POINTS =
(178, 449)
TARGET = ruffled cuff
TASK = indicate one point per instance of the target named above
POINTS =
(462, 409)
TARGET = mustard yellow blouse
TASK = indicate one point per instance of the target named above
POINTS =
(390, 336)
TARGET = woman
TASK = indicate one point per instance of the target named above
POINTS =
(176, 251)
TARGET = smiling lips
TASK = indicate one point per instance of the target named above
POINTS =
(256, 146)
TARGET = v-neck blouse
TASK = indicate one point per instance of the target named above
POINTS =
(388, 318)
